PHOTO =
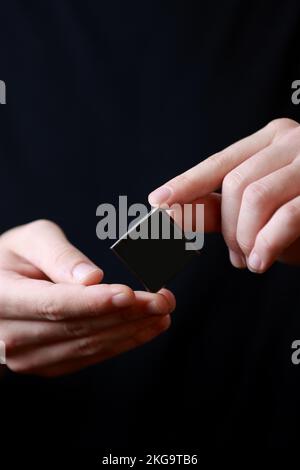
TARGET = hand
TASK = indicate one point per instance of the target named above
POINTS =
(55, 317)
(259, 208)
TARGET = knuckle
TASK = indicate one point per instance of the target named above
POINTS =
(255, 195)
(233, 183)
(91, 306)
(41, 224)
(279, 126)
(288, 138)
(182, 181)
(62, 253)
(280, 123)
(217, 159)
(292, 134)
(290, 215)
(49, 310)
(75, 329)
(87, 346)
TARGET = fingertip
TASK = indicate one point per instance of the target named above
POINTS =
(255, 263)
(151, 202)
(237, 260)
(170, 297)
(159, 305)
(160, 196)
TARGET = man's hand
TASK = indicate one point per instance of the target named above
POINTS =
(55, 317)
(259, 208)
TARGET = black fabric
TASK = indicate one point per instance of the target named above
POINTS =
(106, 98)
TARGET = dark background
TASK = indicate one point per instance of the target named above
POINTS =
(106, 98)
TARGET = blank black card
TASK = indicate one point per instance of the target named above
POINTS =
(154, 260)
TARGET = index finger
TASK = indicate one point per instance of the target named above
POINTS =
(208, 175)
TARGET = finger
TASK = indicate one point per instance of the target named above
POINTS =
(262, 198)
(142, 337)
(104, 342)
(42, 300)
(24, 334)
(208, 175)
(276, 236)
(212, 214)
(44, 245)
(268, 160)
(164, 299)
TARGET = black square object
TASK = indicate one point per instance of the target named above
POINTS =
(154, 260)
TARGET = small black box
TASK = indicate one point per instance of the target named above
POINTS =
(156, 259)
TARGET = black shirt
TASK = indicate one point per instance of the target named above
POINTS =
(106, 98)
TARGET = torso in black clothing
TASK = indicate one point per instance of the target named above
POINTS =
(111, 98)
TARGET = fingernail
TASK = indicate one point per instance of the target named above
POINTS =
(254, 262)
(237, 260)
(121, 300)
(160, 195)
(82, 270)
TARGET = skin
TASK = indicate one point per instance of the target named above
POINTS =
(56, 316)
(258, 210)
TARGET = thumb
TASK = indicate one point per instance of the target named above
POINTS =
(44, 244)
